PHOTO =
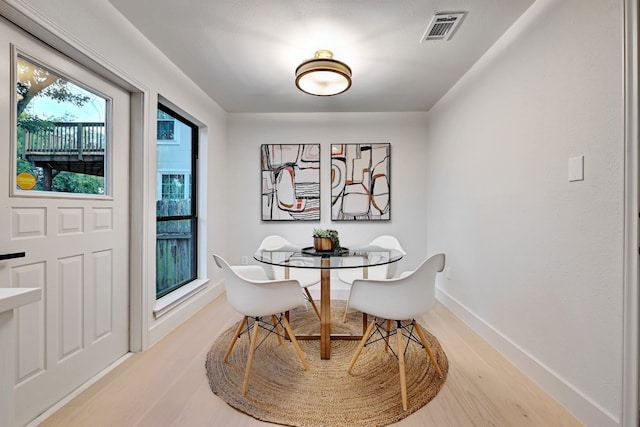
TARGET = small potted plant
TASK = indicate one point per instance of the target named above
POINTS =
(325, 240)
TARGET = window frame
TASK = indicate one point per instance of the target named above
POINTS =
(193, 193)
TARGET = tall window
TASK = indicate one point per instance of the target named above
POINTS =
(177, 222)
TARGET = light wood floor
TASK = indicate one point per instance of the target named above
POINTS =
(167, 385)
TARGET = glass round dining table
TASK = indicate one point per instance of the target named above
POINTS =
(363, 257)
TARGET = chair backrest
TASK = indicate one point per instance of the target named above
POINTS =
(386, 271)
(400, 298)
(389, 242)
(273, 242)
(258, 298)
(305, 276)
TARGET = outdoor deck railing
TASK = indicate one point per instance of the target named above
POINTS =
(67, 138)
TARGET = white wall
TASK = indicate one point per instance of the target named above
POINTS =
(536, 261)
(98, 31)
(406, 133)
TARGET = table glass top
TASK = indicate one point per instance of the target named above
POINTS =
(307, 257)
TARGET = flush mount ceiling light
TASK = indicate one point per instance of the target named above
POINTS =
(323, 75)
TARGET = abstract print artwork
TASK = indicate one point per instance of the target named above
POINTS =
(360, 182)
(290, 182)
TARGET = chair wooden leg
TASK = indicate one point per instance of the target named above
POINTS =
(313, 304)
(386, 339)
(425, 343)
(286, 334)
(363, 341)
(274, 319)
(252, 350)
(403, 374)
(235, 338)
(365, 322)
(295, 343)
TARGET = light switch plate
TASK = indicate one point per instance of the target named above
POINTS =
(576, 168)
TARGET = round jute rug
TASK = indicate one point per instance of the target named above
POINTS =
(282, 392)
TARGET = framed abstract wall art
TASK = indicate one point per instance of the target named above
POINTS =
(360, 182)
(290, 179)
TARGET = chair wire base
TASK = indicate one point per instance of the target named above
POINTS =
(407, 330)
(254, 327)
(402, 330)
(274, 327)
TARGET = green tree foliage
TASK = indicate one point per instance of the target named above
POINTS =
(35, 80)
(70, 182)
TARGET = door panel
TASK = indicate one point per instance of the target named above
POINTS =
(76, 250)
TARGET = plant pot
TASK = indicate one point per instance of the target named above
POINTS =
(322, 244)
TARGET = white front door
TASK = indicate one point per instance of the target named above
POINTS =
(75, 243)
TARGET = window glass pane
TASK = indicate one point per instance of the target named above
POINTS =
(175, 205)
(174, 168)
(162, 115)
(61, 132)
(175, 255)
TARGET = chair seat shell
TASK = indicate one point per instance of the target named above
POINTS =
(253, 296)
(406, 297)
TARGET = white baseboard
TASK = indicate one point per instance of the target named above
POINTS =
(587, 411)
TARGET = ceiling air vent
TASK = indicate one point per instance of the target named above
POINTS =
(442, 26)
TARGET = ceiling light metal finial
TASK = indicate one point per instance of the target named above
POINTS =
(322, 75)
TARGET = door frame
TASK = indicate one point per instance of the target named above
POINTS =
(34, 23)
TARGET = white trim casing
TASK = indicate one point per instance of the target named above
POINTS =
(631, 303)
(168, 302)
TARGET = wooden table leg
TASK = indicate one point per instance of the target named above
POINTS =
(365, 275)
(325, 310)
(286, 314)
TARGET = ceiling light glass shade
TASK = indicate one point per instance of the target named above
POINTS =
(323, 75)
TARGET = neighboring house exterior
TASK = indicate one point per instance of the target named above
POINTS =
(174, 159)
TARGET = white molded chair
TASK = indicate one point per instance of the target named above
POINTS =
(387, 271)
(253, 294)
(400, 299)
(306, 276)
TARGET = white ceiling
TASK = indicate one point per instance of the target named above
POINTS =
(244, 53)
